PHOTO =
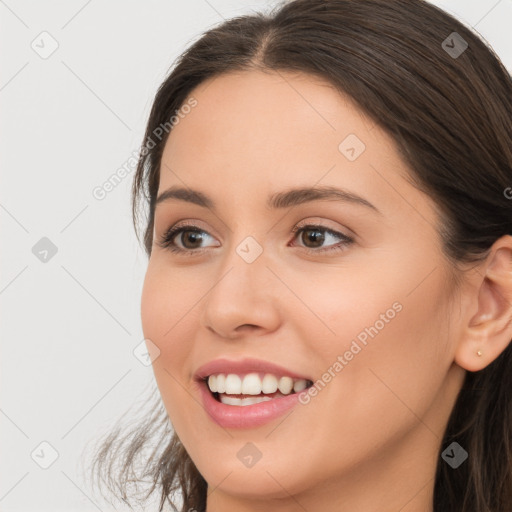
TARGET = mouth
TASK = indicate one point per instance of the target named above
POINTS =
(252, 388)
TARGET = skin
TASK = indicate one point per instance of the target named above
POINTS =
(369, 441)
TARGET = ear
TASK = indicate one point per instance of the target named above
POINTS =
(489, 330)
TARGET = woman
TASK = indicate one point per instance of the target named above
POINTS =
(328, 299)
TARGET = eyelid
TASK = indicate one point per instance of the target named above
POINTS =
(348, 233)
(346, 239)
(322, 223)
(186, 225)
(174, 230)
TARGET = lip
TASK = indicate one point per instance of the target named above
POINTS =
(247, 416)
(244, 366)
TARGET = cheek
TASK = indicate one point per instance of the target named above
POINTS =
(165, 312)
(377, 346)
(166, 304)
(337, 307)
(152, 302)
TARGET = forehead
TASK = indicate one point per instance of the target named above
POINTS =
(251, 114)
(253, 133)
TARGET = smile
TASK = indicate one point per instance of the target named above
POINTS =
(232, 389)
(251, 400)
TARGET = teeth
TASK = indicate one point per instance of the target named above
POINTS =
(285, 385)
(221, 383)
(299, 385)
(252, 384)
(229, 400)
(212, 383)
(269, 384)
(233, 384)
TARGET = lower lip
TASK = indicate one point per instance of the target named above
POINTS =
(246, 416)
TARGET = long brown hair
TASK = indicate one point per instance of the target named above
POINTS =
(447, 102)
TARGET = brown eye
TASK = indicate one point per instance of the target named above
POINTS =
(190, 236)
(313, 238)
(189, 239)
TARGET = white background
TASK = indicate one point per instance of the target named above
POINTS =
(70, 325)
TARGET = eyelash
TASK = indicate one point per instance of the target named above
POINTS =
(167, 243)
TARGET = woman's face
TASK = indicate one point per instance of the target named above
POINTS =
(373, 314)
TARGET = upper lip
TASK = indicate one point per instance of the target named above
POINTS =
(244, 366)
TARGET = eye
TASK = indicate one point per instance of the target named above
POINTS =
(317, 235)
(312, 233)
(195, 235)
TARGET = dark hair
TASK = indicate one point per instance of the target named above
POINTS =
(450, 115)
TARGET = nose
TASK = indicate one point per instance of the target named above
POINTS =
(242, 299)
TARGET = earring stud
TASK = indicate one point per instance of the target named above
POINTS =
(479, 352)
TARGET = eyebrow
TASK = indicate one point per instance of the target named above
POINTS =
(277, 200)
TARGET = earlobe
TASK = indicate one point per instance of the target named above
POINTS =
(489, 330)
